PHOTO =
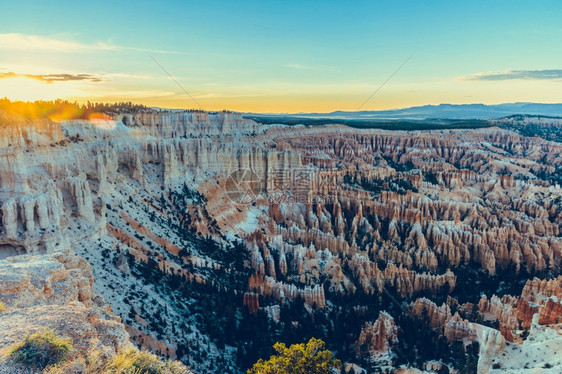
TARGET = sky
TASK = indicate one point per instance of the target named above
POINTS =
(282, 56)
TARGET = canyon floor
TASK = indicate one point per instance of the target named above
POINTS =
(207, 237)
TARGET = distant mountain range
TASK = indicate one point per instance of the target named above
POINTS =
(441, 111)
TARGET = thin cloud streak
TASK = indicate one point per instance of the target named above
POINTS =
(23, 42)
(111, 95)
(307, 67)
(516, 74)
(126, 76)
(51, 78)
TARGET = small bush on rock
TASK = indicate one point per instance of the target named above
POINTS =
(135, 361)
(41, 349)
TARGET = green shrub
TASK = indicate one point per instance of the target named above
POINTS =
(142, 362)
(41, 349)
(310, 358)
(130, 361)
(45, 351)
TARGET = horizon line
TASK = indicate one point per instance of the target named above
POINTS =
(136, 102)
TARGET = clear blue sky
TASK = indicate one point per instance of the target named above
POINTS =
(283, 56)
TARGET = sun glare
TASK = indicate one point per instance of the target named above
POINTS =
(26, 89)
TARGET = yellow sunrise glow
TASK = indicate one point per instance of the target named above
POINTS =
(28, 89)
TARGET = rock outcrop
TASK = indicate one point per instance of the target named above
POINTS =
(55, 292)
(453, 327)
(55, 279)
(378, 336)
(502, 310)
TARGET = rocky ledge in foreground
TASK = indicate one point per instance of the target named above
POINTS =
(54, 292)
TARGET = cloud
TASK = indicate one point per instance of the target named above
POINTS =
(516, 74)
(299, 66)
(120, 95)
(126, 76)
(50, 78)
(22, 42)
(307, 67)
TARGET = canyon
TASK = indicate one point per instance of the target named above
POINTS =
(206, 237)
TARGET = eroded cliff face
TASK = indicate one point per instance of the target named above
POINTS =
(201, 226)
